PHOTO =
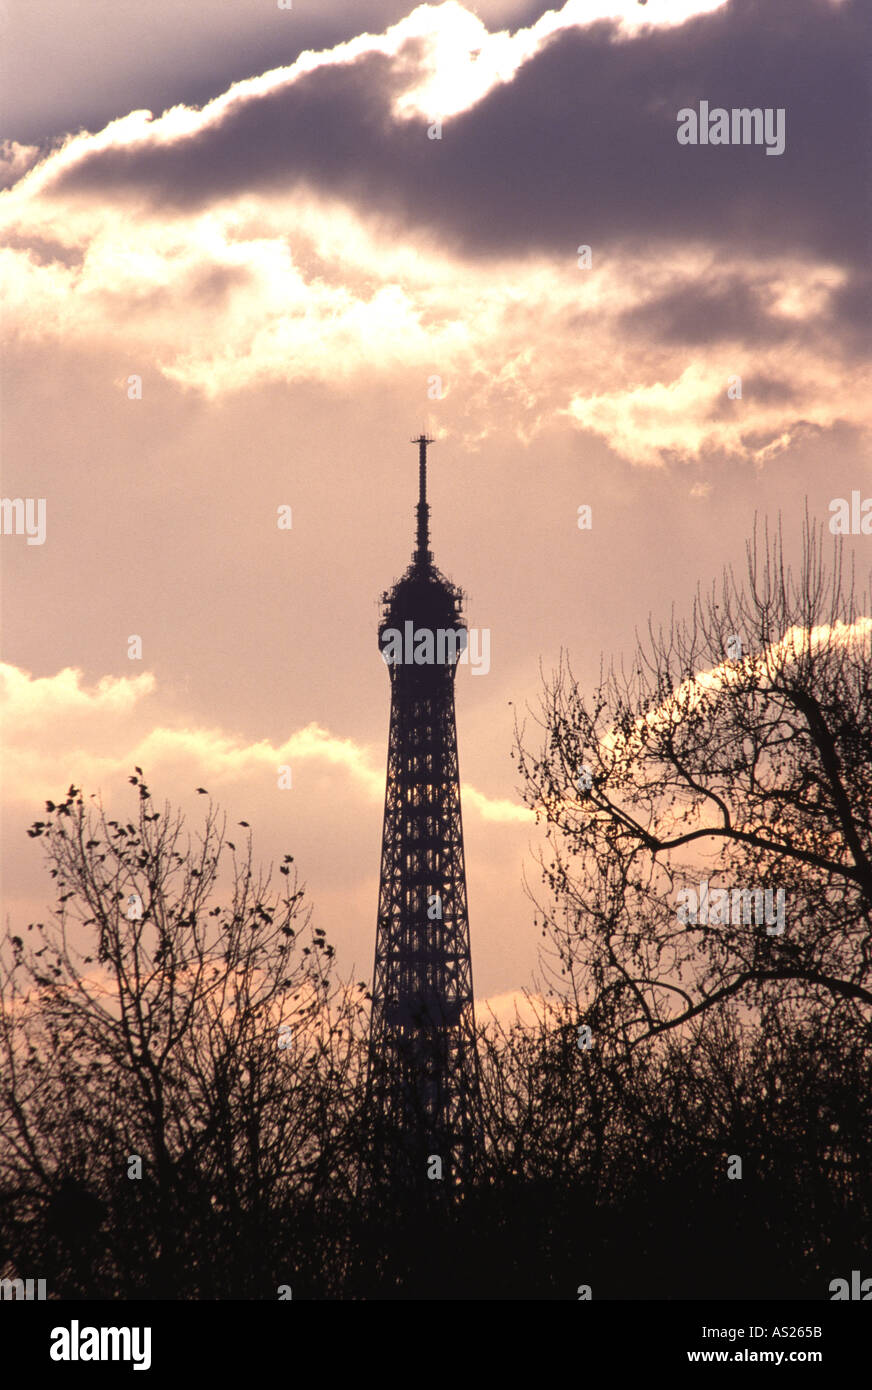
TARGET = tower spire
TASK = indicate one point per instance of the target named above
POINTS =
(423, 555)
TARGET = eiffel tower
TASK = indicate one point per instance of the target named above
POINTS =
(423, 1093)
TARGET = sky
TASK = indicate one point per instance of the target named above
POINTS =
(247, 252)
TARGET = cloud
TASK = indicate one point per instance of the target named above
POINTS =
(16, 160)
(299, 290)
(33, 704)
(516, 1005)
(763, 669)
(303, 228)
(62, 728)
(727, 308)
(692, 415)
(56, 729)
(495, 809)
(576, 113)
(339, 119)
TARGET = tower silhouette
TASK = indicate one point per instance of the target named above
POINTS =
(423, 1091)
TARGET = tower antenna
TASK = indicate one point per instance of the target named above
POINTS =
(423, 555)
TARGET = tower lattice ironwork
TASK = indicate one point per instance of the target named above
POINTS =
(423, 1077)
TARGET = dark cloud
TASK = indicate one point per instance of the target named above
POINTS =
(769, 389)
(579, 148)
(759, 390)
(153, 56)
(329, 129)
(211, 286)
(851, 313)
(204, 287)
(733, 309)
(695, 313)
(42, 250)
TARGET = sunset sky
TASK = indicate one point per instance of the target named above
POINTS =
(247, 208)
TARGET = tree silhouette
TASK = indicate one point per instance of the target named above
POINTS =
(178, 1010)
(737, 751)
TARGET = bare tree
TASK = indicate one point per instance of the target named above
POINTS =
(179, 1010)
(736, 753)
